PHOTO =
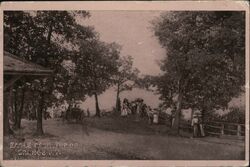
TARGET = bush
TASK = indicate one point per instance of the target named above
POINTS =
(236, 115)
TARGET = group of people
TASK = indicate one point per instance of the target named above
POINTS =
(136, 107)
(139, 109)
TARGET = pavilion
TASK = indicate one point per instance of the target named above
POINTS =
(15, 68)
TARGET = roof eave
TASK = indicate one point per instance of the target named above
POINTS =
(44, 73)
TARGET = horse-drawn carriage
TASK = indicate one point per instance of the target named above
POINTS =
(73, 114)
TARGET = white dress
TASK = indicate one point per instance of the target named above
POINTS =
(124, 110)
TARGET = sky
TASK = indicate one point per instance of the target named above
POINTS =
(132, 30)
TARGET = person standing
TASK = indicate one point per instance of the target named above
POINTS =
(138, 110)
(201, 127)
(124, 112)
(149, 114)
(156, 117)
(194, 124)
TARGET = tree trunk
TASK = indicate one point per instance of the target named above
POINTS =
(7, 102)
(118, 105)
(20, 112)
(40, 115)
(192, 114)
(15, 110)
(98, 112)
(68, 111)
(49, 33)
(182, 83)
(176, 124)
(203, 112)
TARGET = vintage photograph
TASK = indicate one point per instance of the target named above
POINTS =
(124, 85)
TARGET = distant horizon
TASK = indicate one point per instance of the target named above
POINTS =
(89, 104)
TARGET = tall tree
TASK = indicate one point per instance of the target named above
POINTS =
(125, 77)
(97, 63)
(205, 61)
(70, 87)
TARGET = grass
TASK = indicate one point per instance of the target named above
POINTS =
(115, 138)
(127, 125)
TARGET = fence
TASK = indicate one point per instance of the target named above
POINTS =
(220, 129)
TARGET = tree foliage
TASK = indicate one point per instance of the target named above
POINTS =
(125, 78)
(96, 63)
(205, 62)
(47, 38)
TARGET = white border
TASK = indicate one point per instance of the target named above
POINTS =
(128, 5)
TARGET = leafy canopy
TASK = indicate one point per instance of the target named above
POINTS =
(205, 57)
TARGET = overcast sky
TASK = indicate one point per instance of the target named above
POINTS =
(130, 29)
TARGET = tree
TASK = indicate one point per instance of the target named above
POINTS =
(96, 64)
(19, 100)
(42, 37)
(125, 77)
(66, 32)
(70, 87)
(205, 61)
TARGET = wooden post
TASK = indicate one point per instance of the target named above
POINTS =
(7, 111)
(222, 129)
(238, 130)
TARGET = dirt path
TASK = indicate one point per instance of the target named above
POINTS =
(103, 144)
(151, 146)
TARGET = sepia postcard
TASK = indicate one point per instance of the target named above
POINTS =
(124, 83)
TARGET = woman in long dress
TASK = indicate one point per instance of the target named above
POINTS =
(195, 124)
(124, 112)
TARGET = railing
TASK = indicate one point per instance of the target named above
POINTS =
(221, 129)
